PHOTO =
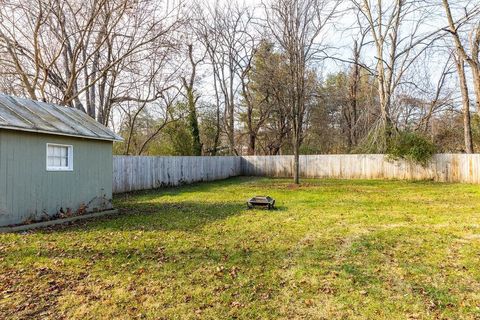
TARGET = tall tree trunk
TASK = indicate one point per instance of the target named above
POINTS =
(476, 83)
(251, 144)
(296, 159)
(471, 59)
(299, 106)
(217, 113)
(193, 123)
(251, 133)
(192, 105)
(216, 140)
(231, 129)
(231, 111)
(467, 127)
(355, 79)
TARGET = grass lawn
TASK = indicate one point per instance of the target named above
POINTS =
(334, 249)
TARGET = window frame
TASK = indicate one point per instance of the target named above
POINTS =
(69, 157)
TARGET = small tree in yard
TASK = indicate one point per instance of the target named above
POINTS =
(297, 26)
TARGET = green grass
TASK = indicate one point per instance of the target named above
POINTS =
(334, 249)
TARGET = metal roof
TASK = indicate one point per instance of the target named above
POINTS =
(35, 116)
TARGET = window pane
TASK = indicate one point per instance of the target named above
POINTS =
(58, 157)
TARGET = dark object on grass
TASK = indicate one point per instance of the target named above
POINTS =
(261, 201)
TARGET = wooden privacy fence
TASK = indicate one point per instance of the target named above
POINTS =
(443, 167)
(140, 173)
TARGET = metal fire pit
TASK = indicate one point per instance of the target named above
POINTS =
(261, 201)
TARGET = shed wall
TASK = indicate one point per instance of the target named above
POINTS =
(28, 190)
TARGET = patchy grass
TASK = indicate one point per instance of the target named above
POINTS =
(334, 249)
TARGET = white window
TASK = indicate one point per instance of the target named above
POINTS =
(59, 157)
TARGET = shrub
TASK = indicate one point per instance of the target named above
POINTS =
(410, 146)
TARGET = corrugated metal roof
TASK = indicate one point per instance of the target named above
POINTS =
(35, 116)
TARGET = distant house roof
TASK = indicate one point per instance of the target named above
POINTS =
(35, 116)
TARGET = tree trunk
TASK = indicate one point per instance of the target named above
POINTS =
(296, 159)
(251, 144)
(251, 133)
(476, 84)
(193, 123)
(231, 129)
(217, 114)
(217, 130)
(231, 111)
(192, 105)
(467, 127)
(354, 83)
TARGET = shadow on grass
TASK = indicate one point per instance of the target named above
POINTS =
(147, 210)
(149, 216)
(205, 186)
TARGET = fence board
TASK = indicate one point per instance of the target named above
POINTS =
(131, 173)
(443, 167)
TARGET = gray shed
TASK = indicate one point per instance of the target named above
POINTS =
(54, 160)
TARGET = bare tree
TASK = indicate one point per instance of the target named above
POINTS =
(467, 127)
(395, 50)
(244, 60)
(205, 30)
(147, 92)
(224, 29)
(297, 27)
(352, 112)
(472, 58)
(75, 53)
(143, 121)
